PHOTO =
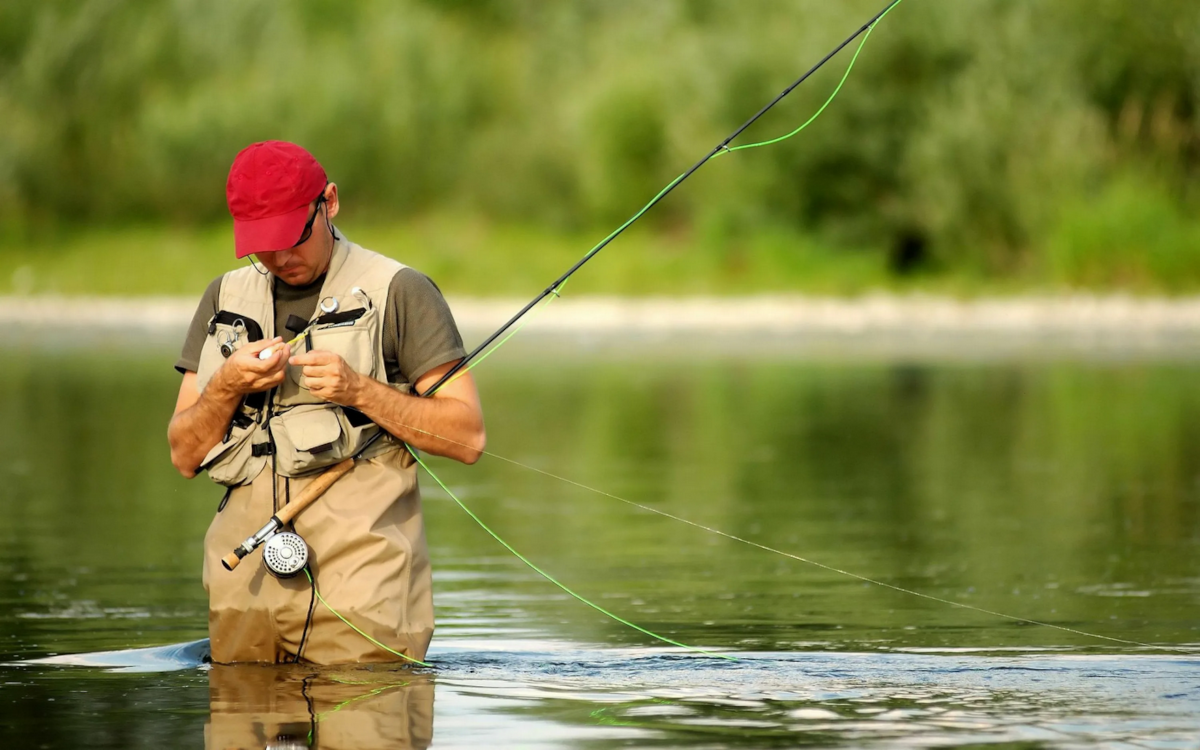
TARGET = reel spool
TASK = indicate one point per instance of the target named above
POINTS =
(285, 554)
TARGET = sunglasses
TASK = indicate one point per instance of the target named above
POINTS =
(308, 225)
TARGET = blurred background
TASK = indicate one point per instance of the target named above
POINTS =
(1041, 464)
(986, 146)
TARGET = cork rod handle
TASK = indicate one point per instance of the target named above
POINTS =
(230, 561)
(314, 490)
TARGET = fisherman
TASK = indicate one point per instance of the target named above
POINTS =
(368, 335)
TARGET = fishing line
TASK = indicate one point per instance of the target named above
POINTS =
(463, 371)
(551, 578)
(316, 718)
(371, 694)
(767, 548)
(721, 147)
(351, 625)
(554, 290)
(312, 604)
(832, 96)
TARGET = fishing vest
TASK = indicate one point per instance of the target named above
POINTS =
(288, 427)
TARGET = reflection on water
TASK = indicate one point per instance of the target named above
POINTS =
(289, 707)
(1060, 490)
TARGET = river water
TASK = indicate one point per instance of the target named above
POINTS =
(1047, 484)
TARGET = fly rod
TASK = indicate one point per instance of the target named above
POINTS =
(273, 528)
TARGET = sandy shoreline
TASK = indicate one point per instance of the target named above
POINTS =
(794, 315)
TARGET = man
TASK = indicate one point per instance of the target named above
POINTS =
(263, 417)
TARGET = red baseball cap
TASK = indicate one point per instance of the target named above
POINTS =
(270, 187)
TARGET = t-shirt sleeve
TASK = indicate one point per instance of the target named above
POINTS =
(418, 329)
(189, 358)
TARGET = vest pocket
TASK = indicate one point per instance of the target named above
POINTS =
(353, 340)
(227, 332)
(312, 436)
(233, 462)
(307, 438)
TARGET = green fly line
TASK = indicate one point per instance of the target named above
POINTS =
(352, 626)
(850, 67)
(556, 292)
(551, 578)
(766, 548)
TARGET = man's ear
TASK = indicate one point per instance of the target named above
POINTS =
(331, 199)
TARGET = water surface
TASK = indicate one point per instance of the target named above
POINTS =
(1058, 487)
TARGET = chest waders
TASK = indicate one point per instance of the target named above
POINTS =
(366, 536)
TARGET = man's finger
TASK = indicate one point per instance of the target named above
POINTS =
(317, 371)
(271, 363)
(316, 386)
(254, 347)
(315, 357)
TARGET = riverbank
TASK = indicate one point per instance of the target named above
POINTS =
(903, 320)
(766, 313)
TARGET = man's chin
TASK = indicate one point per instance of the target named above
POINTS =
(295, 278)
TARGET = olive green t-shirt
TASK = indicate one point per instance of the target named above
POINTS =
(419, 332)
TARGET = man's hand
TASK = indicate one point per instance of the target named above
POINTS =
(245, 373)
(329, 378)
(201, 418)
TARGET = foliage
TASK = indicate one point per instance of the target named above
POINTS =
(972, 137)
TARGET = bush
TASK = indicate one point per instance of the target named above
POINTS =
(968, 137)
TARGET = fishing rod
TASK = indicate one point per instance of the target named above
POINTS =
(286, 554)
(721, 147)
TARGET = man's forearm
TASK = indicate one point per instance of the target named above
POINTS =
(194, 431)
(441, 426)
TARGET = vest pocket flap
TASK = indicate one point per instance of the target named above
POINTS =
(234, 461)
(313, 431)
(219, 449)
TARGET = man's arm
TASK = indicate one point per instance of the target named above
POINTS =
(202, 418)
(449, 423)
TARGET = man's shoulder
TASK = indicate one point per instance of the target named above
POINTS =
(366, 268)
(410, 281)
(213, 291)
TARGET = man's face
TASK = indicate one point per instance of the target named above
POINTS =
(305, 262)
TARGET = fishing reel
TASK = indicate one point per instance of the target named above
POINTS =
(285, 554)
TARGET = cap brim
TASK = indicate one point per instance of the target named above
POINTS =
(270, 234)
